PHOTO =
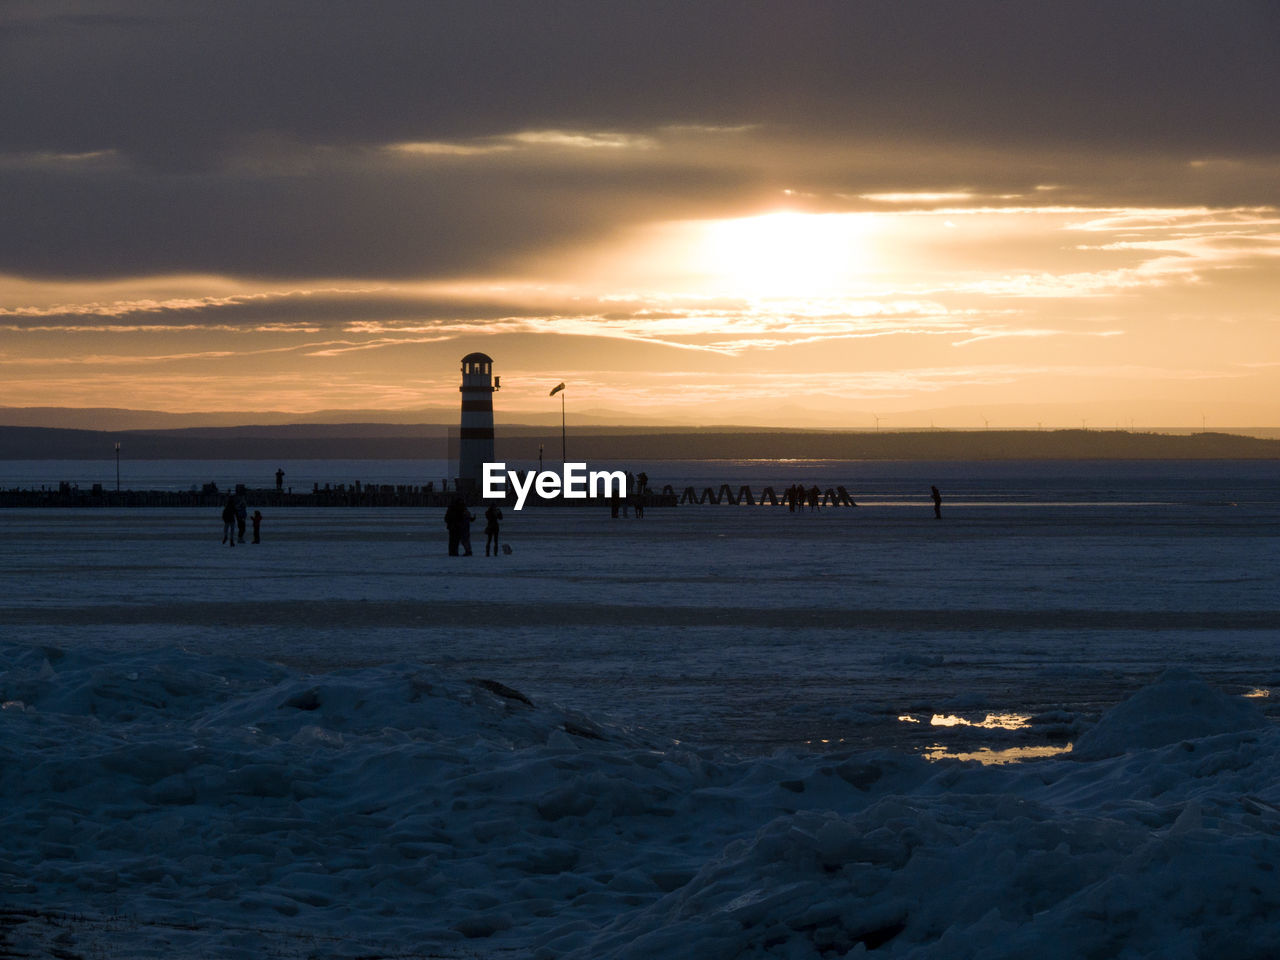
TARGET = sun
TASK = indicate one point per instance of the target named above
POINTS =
(785, 254)
(781, 255)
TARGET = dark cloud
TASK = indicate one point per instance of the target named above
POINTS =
(357, 215)
(245, 138)
(163, 79)
(315, 213)
(322, 309)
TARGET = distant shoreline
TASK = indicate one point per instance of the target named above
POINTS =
(522, 443)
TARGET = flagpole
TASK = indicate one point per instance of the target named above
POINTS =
(559, 388)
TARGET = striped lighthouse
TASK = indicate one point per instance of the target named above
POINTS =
(475, 437)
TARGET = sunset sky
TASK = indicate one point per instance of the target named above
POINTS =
(805, 213)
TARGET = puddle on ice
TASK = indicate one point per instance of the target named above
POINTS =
(986, 755)
(992, 721)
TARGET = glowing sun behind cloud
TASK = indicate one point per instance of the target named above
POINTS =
(776, 255)
(783, 254)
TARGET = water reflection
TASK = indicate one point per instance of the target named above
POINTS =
(987, 756)
(992, 721)
(984, 755)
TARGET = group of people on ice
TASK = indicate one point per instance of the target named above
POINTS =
(797, 496)
(235, 517)
(458, 519)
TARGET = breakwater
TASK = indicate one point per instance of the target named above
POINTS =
(359, 494)
(330, 495)
(797, 496)
(341, 495)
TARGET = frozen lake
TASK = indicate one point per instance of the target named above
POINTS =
(718, 732)
(1048, 590)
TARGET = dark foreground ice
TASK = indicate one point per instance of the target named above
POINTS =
(165, 804)
(710, 733)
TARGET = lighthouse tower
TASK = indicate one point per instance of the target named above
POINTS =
(475, 438)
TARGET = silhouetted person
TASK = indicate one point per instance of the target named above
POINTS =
(229, 521)
(613, 501)
(491, 517)
(814, 496)
(242, 516)
(642, 487)
(279, 480)
(257, 526)
(937, 503)
(457, 518)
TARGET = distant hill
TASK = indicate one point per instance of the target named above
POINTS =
(774, 417)
(922, 445)
(381, 441)
(123, 419)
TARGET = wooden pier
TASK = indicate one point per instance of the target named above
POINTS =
(831, 497)
(401, 495)
(330, 495)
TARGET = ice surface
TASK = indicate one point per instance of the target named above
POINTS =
(677, 737)
(164, 803)
(1180, 707)
(743, 627)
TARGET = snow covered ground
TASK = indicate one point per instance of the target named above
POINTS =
(716, 732)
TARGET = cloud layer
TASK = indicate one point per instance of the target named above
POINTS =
(291, 203)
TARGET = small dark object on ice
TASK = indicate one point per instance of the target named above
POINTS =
(581, 730)
(502, 690)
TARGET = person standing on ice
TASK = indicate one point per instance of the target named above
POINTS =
(242, 516)
(642, 487)
(491, 518)
(257, 526)
(937, 503)
(229, 521)
(457, 518)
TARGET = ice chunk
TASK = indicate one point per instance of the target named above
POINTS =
(1178, 706)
